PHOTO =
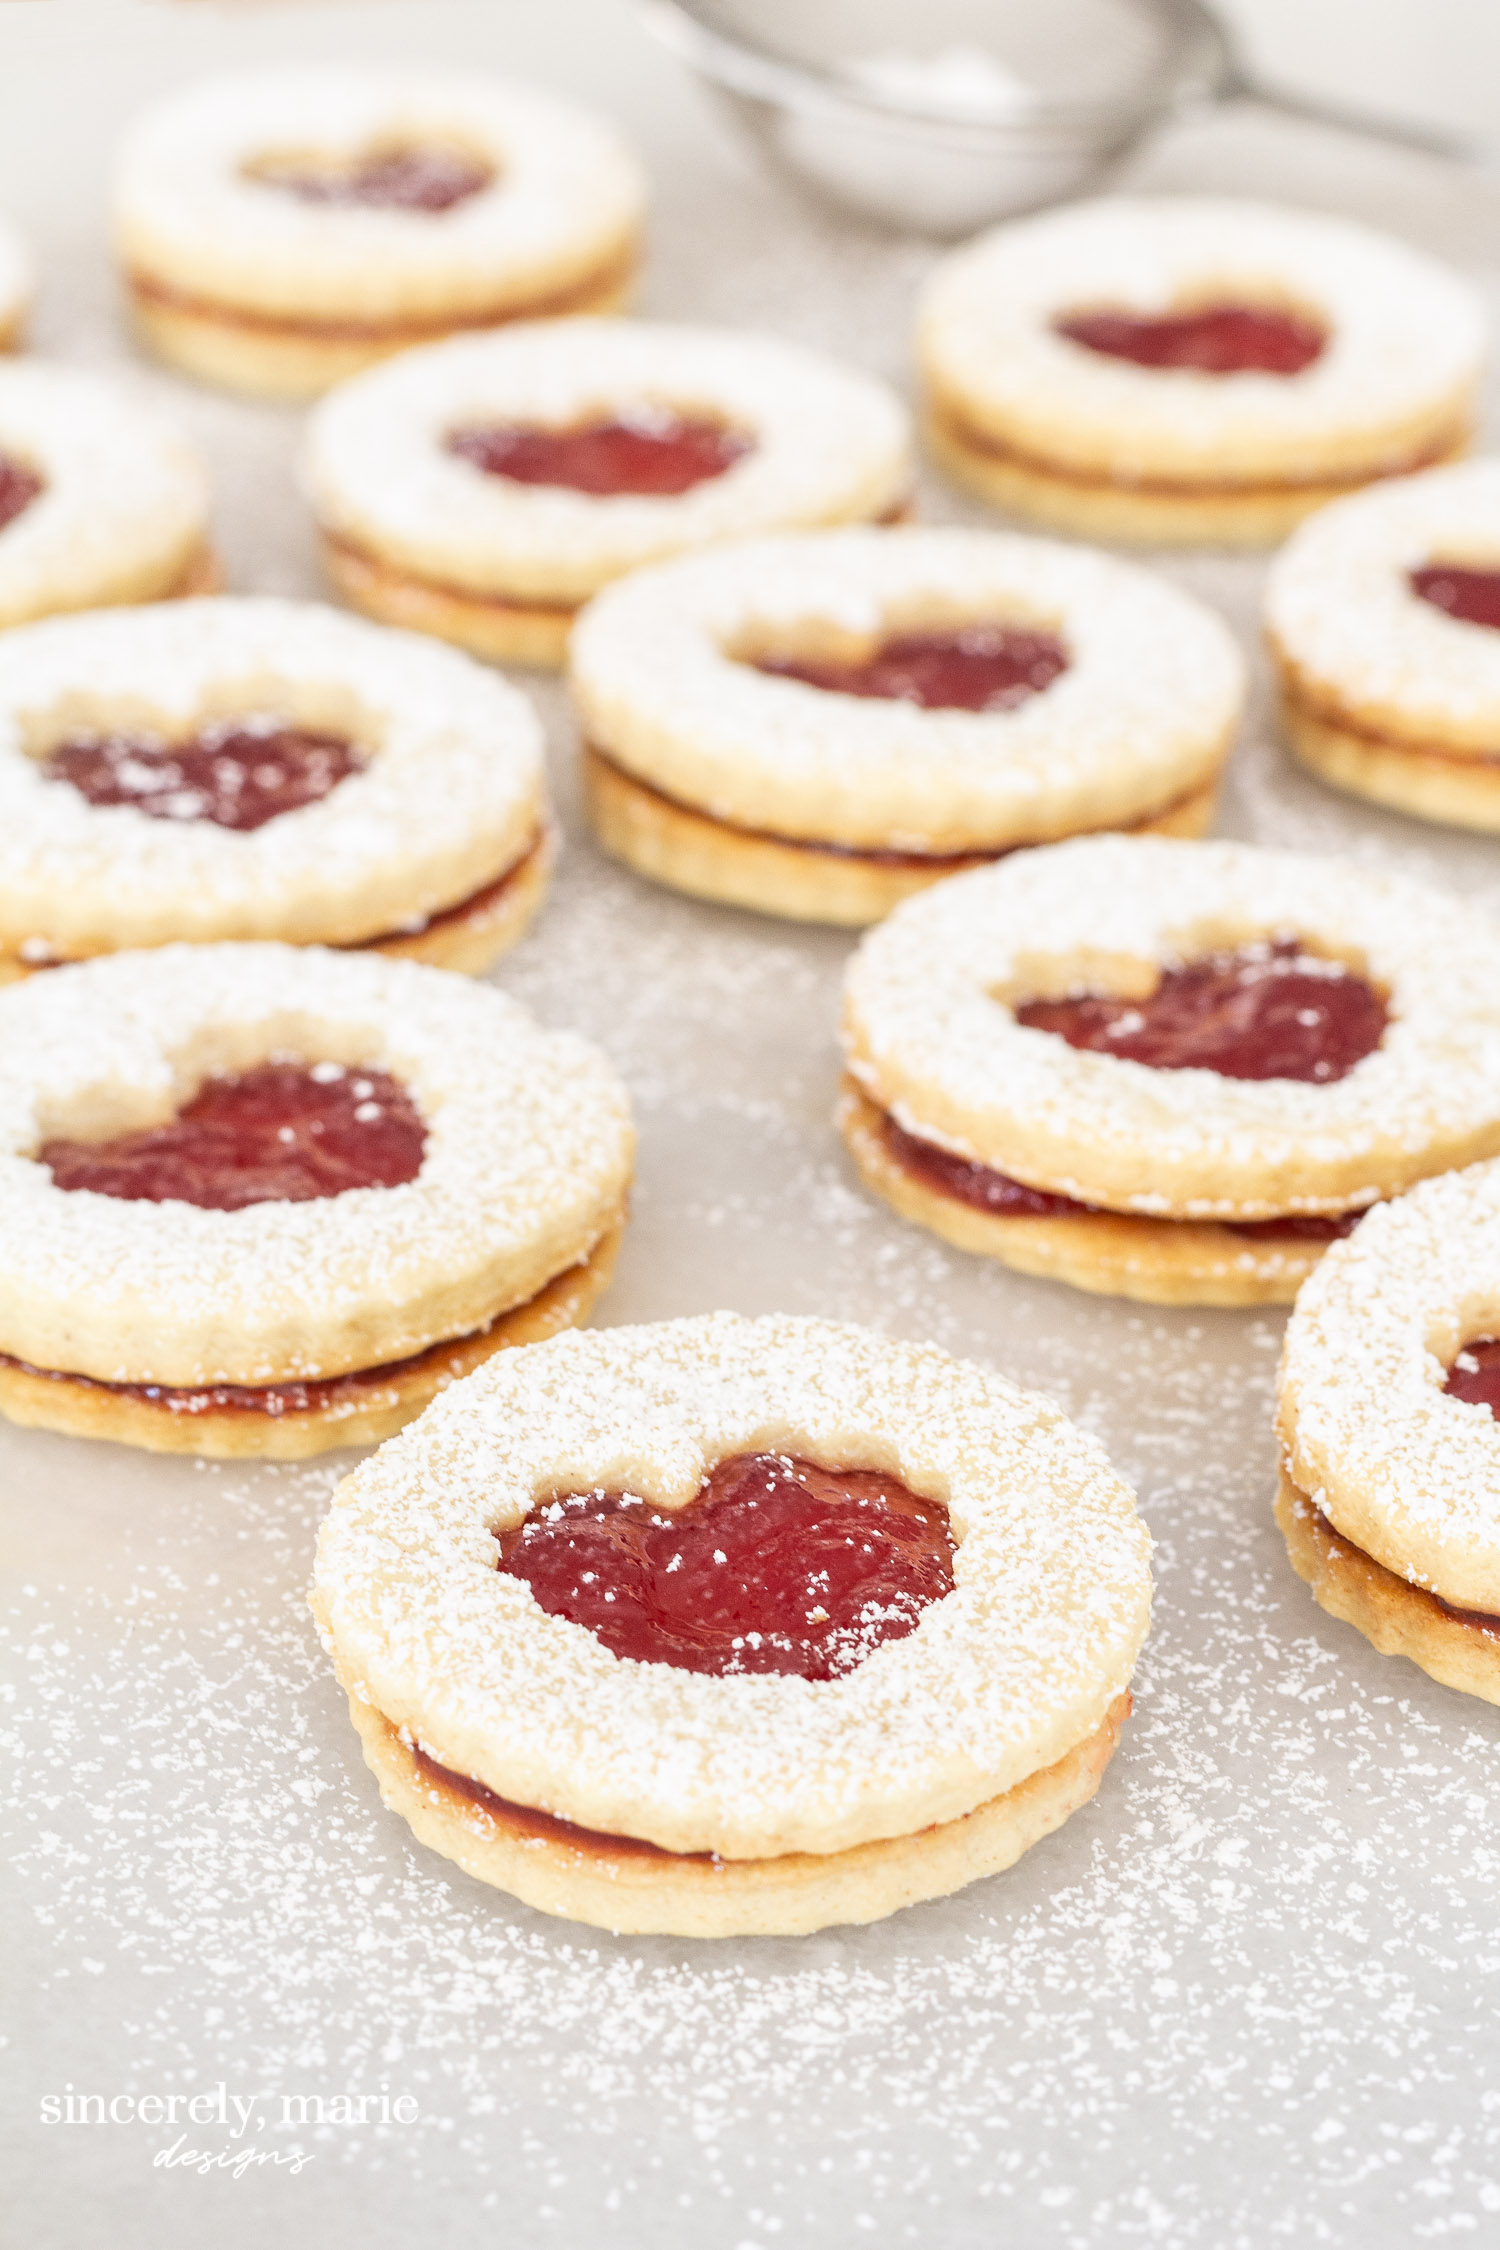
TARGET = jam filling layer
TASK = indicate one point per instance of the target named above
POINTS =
(311, 1394)
(281, 1133)
(19, 486)
(1221, 339)
(978, 668)
(398, 179)
(1472, 595)
(775, 1565)
(237, 773)
(1005, 1198)
(1267, 1010)
(649, 453)
(536, 1823)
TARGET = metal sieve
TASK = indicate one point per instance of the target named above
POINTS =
(942, 118)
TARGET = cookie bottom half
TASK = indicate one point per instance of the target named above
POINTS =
(496, 627)
(357, 1409)
(617, 1883)
(688, 850)
(1430, 784)
(1394, 1616)
(487, 625)
(284, 359)
(1108, 1253)
(1250, 516)
(471, 936)
(467, 938)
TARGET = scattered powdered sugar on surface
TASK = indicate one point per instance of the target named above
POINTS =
(1242, 1999)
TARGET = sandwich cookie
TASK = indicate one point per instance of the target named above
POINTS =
(484, 488)
(263, 1200)
(261, 769)
(1168, 1071)
(818, 726)
(101, 501)
(1389, 1497)
(1191, 371)
(281, 229)
(1383, 617)
(729, 1627)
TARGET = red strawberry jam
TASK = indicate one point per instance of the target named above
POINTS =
(978, 668)
(398, 179)
(651, 453)
(776, 1565)
(281, 1133)
(1223, 339)
(1005, 1198)
(237, 773)
(1265, 1011)
(1472, 595)
(1475, 1375)
(19, 486)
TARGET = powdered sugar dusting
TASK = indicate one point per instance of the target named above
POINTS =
(826, 445)
(1142, 715)
(1405, 341)
(566, 196)
(1410, 1475)
(929, 1028)
(1342, 612)
(1000, 1679)
(124, 500)
(526, 1162)
(451, 794)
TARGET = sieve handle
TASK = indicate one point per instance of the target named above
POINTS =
(1480, 151)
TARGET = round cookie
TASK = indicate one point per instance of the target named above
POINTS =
(1191, 370)
(484, 488)
(17, 287)
(1168, 1071)
(756, 1762)
(822, 724)
(1389, 1497)
(1383, 618)
(281, 229)
(101, 502)
(262, 1200)
(251, 768)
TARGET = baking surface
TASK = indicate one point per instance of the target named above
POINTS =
(1246, 1997)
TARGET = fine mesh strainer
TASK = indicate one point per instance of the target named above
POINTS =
(943, 116)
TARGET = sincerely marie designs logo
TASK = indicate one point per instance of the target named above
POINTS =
(235, 2115)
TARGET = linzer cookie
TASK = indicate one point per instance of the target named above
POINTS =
(484, 488)
(735, 1626)
(1389, 1497)
(16, 287)
(262, 1200)
(261, 769)
(1168, 1071)
(1383, 617)
(818, 726)
(101, 501)
(1192, 371)
(279, 230)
